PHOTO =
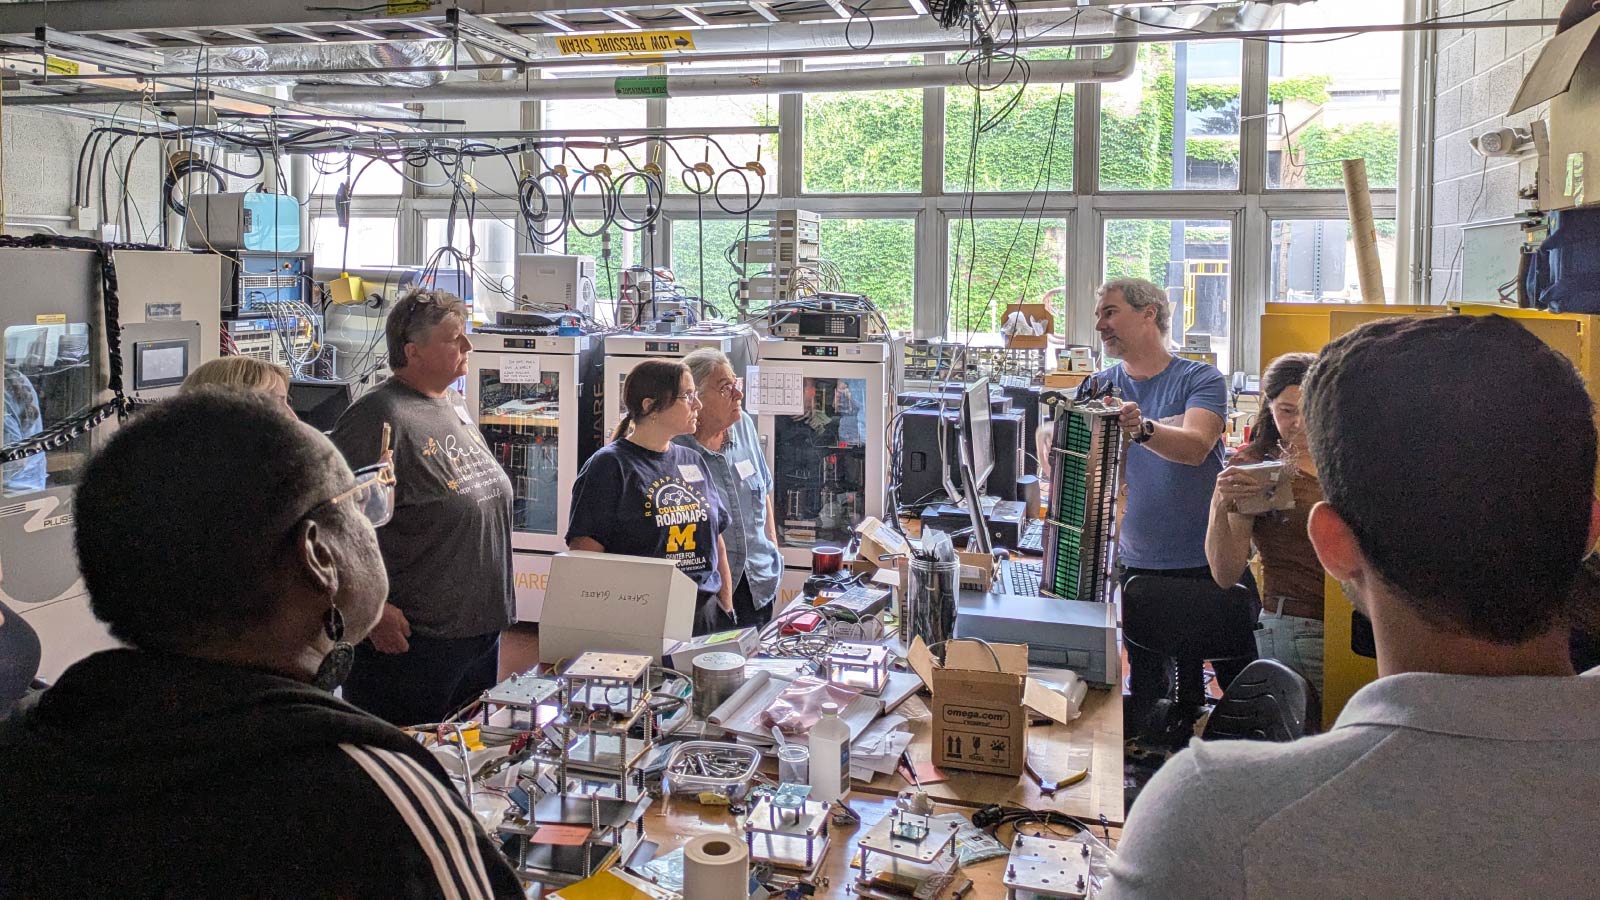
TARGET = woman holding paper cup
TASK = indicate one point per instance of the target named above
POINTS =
(643, 495)
(1251, 508)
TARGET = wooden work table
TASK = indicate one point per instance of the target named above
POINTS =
(672, 823)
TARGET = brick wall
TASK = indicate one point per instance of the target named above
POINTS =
(1478, 75)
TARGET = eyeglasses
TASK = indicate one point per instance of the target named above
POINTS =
(419, 301)
(691, 396)
(372, 495)
(727, 389)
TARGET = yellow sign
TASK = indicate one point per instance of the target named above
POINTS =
(627, 43)
(51, 319)
(401, 7)
(57, 66)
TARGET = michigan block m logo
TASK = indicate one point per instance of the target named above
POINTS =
(680, 538)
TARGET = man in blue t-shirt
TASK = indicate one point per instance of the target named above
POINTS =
(1173, 411)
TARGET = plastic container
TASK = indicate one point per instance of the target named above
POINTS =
(830, 756)
(729, 786)
(794, 764)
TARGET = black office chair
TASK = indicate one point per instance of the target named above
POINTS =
(1189, 620)
(1267, 702)
(19, 659)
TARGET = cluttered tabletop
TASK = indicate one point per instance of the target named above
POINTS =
(845, 747)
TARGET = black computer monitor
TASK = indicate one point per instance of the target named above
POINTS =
(319, 404)
(975, 428)
(977, 458)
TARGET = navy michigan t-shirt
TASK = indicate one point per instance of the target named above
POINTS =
(638, 502)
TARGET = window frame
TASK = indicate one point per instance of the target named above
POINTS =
(1250, 208)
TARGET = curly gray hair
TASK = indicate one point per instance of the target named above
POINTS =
(1140, 294)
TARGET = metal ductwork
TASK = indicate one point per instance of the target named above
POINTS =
(375, 58)
(1119, 64)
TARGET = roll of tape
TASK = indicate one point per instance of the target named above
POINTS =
(716, 676)
(716, 867)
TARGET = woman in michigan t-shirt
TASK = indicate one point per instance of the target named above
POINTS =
(643, 495)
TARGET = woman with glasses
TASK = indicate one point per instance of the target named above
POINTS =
(447, 549)
(643, 495)
(725, 440)
(1292, 582)
(232, 552)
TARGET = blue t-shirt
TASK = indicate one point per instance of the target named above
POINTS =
(638, 502)
(1169, 503)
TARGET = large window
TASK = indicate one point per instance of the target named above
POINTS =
(1028, 148)
(367, 177)
(862, 142)
(627, 249)
(997, 262)
(488, 249)
(947, 205)
(1174, 125)
(1330, 101)
(589, 115)
(1314, 261)
(876, 257)
(702, 258)
(1192, 259)
(369, 241)
(723, 152)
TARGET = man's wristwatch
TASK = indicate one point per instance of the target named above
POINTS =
(1147, 429)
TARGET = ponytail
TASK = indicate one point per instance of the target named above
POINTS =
(652, 385)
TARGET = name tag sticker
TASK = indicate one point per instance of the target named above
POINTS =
(691, 473)
(745, 468)
(462, 414)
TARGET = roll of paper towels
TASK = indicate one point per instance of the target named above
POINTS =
(716, 867)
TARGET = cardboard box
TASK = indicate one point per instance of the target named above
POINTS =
(979, 723)
(615, 604)
(1567, 74)
(879, 541)
(1062, 380)
(1034, 313)
(977, 570)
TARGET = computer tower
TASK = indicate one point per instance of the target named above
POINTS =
(920, 479)
(1026, 401)
(921, 476)
(1008, 431)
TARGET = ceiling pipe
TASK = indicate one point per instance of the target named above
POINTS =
(1119, 64)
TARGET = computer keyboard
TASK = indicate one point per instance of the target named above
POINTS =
(1016, 381)
(1021, 578)
(1031, 541)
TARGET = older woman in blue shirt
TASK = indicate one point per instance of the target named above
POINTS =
(725, 438)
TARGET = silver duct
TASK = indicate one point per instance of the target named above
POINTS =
(375, 57)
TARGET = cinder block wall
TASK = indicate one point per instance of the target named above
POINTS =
(41, 155)
(1478, 76)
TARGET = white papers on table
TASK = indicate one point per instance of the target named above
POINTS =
(877, 751)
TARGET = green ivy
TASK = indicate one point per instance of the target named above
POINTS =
(1320, 149)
